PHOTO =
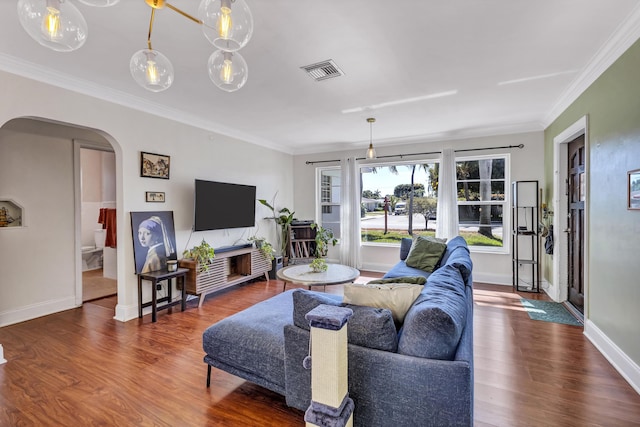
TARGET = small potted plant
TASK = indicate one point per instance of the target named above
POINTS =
(318, 265)
(264, 246)
(202, 255)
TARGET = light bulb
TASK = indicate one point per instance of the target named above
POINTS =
(226, 72)
(51, 24)
(225, 23)
(152, 73)
(56, 24)
(371, 152)
(151, 70)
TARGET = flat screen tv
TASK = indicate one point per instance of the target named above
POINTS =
(220, 205)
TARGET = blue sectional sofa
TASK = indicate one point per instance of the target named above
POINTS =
(417, 373)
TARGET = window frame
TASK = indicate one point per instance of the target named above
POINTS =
(319, 194)
(506, 212)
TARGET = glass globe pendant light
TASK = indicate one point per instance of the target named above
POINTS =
(227, 24)
(151, 70)
(99, 3)
(56, 24)
(227, 70)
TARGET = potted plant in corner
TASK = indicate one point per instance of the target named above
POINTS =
(324, 236)
(197, 260)
(282, 218)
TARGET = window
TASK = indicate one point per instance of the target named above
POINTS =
(330, 195)
(482, 205)
(391, 208)
(388, 187)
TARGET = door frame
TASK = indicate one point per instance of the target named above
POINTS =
(77, 189)
(559, 292)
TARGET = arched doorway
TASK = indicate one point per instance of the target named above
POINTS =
(44, 256)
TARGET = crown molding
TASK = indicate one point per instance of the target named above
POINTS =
(22, 68)
(627, 33)
(453, 135)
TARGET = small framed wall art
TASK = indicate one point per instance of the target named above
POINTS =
(154, 165)
(154, 196)
(633, 189)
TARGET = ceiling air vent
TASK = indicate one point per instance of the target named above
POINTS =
(323, 70)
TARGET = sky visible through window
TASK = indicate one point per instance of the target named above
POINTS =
(385, 181)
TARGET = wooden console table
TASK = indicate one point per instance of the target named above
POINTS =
(227, 268)
(156, 277)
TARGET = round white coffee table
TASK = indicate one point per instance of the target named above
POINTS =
(302, 274)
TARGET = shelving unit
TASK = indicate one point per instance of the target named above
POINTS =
(303, 243)
(525, 242)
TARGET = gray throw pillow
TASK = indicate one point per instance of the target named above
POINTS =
(368, 327)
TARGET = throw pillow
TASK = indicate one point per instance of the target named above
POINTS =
(425, 253)
(368, 327)
(397, 297)
(415, 280)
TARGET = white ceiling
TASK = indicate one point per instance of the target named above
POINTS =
(507, 65)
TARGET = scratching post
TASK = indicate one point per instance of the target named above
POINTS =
(330, 402)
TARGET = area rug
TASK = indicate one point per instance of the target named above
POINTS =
(549, 311)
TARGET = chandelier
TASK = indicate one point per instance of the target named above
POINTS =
(227, 24)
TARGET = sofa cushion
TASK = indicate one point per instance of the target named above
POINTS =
(405, 247)
(457, 254)
(252, 340)
(425, 253)
(396, 297)
(402, 270)
(434, 323)
(368, 327)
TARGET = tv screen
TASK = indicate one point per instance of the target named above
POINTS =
(220, 205)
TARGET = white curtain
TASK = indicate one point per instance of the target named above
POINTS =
(447, 224)
(350, 213)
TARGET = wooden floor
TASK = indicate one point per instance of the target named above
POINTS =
(81, 367)
(95, 285)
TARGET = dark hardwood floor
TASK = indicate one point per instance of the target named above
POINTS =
(81, 367)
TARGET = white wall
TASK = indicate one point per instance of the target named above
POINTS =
(526, 164)
(37, 260)
(195, 153)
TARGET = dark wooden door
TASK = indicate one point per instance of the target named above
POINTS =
(577, 196)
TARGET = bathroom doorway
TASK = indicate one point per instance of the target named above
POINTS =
(97, 215)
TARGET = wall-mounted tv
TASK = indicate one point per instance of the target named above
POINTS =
(220, 205)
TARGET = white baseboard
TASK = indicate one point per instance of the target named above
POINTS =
(124, 313)
(2, 359)
(33, 311)
(629, 370)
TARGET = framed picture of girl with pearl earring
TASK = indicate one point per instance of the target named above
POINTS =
(154, 240)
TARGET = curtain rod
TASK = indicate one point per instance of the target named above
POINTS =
(420, 154)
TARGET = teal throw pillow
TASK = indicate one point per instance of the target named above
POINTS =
(425, 253)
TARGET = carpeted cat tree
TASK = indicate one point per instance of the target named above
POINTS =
(331, 405)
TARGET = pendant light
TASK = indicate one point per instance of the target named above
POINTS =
(56, 24)
(150, 68)
(228, 70)
(371, 152)
(227, 24)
